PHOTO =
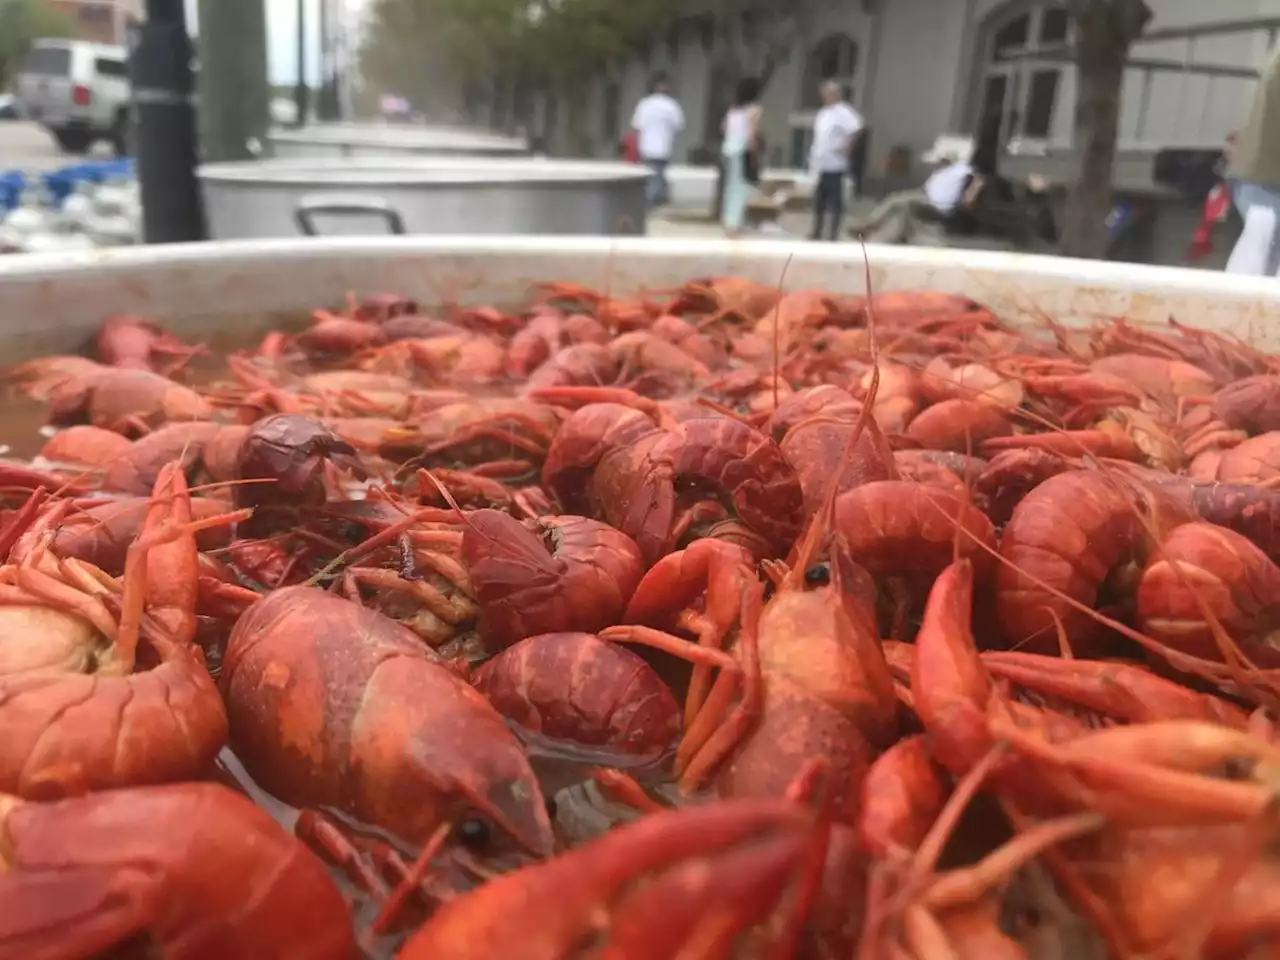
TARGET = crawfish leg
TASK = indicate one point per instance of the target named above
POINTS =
(718, 729)
(33, 582)
(718, 571)
(430, 597)
(967, 884)
(322, 834)
(21, 519)
(1148, 773)
(713, 735)
(727, 578)
(620, 787)
(411, 877)
(170, 596)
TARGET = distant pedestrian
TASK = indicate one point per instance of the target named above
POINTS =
(835, 128)
(656, 120)
(630, 147)
(1254, 172)
(741, 145)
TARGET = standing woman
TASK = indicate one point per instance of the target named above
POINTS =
(741, 140)
(1254, 173)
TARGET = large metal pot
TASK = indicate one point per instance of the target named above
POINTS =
(477, 195)
(379, 140)
(229, 292)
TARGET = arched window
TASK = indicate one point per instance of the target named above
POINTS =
(834, 57)
(1022, 91)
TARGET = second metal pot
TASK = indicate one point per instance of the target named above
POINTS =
(475, 195)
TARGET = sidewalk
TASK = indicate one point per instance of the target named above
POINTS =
(670, 222)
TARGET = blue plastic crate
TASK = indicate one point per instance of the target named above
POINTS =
(121, 168)
(99, 170)
(12, 183)
(59, 183)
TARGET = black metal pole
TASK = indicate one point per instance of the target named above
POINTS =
(165, 120)
(300, 95)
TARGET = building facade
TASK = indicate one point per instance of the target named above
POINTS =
(100, 21)
(920, 68)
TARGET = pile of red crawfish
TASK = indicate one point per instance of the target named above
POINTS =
(721, 622)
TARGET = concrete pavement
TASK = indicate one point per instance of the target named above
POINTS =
(793, 223)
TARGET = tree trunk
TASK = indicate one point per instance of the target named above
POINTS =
(1106, 29)
(235, 98)
(1097, 120)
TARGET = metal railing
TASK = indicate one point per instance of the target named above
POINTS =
(1187, 66)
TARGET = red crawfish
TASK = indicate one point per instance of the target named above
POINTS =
(642, 473)
(334, 705)
(150, 866)
(82, 710)
(665, 885)
(560, 573)
(123, 399)
(573, 691)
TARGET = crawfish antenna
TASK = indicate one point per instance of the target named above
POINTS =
(777, 312)
(443, 491)
(608, 272)
(823, 520)
(453, 504)
(967, 500)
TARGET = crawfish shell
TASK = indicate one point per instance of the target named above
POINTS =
(332, 704)
(578, 688)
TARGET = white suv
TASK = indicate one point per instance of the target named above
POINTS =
(78, 91)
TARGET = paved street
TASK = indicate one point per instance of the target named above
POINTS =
(793, 223)
(25, 146)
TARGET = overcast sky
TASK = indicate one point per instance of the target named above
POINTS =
(282, 34)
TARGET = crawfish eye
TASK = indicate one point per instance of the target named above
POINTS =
(551, 808)
(818, 575)
(474, 834)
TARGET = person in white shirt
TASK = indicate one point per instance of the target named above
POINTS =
(946, 186)
(835, 127)
(656, 120)
(739, 148)
(951, 187)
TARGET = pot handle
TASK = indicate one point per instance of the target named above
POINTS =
(343, 203)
